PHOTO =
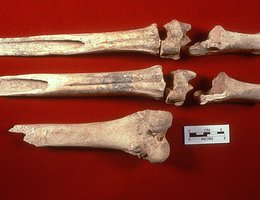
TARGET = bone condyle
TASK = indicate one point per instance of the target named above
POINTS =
(145, 40)
(141, 134)
(148, 82)
(225, 88)
(223, 41)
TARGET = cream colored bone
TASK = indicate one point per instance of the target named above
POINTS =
(147, 82)
(145, 40)
(222, 41)
(226, 88)
(175, 40)
(176, 94)
(141, 134)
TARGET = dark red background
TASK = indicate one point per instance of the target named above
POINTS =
(209, 171)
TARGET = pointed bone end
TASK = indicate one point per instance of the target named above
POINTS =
(175, 40)
(31, 136)
(217, 93)
(153, 145)
(21, 129)
(176, 94)
(213, 45)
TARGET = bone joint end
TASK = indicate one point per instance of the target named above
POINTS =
(175, 40)
(176, 94)
(223, 41)
(225, 88)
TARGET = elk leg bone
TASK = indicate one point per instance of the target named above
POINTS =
(147, 82)
(141, 134)
(226, 88)
(176, 94)
(222, 41)
(144, 40)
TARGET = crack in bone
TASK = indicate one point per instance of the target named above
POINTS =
(141, 134)
(225, 88)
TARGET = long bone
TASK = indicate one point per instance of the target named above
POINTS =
(147, 82)
(223, 41)
(145, 40)
(141, 134)
(225, 88)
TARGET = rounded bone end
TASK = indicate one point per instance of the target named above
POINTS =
(176, 93)
(151, 143)
(160, 153)
(175, 40)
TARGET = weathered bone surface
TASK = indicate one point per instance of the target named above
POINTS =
(147, 82)
(145, 40)
(175, 40)
(225, 88)
(141, 134)
(176, 93)
(222, 41)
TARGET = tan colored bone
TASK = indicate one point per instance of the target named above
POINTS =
(223, 41)
(175, 40)
(145, 40)
(147, 82)
(141, 134)
(176, 94)
(225, 88)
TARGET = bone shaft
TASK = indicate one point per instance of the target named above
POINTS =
(241, 41)
(98, 135)
(147, 82)
(140, 40)
(249, 91)
(141, 133)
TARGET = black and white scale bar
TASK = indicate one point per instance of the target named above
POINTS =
(206, 134)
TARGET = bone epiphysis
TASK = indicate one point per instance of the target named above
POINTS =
(222, 41)
(145, 40)
(179, 87)
(145, 82)
(225, 88)
(141, 134)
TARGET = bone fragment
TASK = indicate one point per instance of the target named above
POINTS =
(176, 93)
(175, 40)
(225, 88)
(223, 41)
(147, 82)
(141, 134)
(145, 40)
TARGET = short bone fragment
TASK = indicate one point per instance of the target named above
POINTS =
(141, 134)
(223, 41)
(145, 40)
(147, 82)
(176, 39)
(176, 93)
(225, 88)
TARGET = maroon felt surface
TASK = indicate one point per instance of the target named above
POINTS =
(209, 171)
